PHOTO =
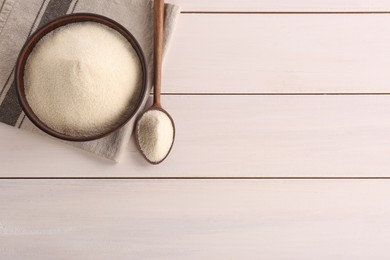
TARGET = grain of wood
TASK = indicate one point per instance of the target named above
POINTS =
(86, 219)
(234, 136)
(282, 6)
(335, 53)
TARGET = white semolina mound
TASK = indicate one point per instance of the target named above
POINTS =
(82, 79)
(155, 134)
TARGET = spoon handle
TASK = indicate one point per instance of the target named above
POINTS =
(158, 43)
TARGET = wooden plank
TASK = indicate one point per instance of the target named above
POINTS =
(234, 136)
(282, 6)
(84, 219)
(329, 53)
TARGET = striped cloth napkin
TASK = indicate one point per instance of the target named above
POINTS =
(20, 18)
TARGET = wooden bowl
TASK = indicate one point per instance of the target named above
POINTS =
(34, 39)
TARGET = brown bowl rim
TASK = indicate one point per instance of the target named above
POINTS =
(37, 36)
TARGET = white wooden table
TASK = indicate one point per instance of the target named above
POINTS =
(282, 151)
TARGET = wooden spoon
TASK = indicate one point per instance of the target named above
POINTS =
(142, 132)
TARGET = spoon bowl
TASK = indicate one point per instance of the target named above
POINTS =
(139, 129)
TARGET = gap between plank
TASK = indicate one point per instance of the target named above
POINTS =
(287, 12)
(273, 94)
(194, 178)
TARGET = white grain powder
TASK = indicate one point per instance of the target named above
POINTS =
(82, 79)
(155, 134)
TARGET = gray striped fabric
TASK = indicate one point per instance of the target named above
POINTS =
(20, 18)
